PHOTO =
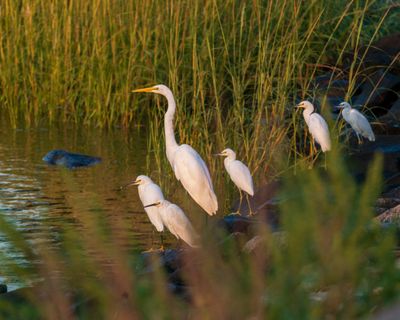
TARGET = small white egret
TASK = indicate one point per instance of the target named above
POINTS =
(316, 125)
(149, 193)
(357, 121)
(239, 174)
(176, 221)
(188, 166)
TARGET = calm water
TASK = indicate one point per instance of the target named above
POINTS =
(40, 199)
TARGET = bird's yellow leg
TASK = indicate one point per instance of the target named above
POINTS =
(152, 243)
(162, 242)
(240, 203)
(312, 154)
(312, 147)
(359, 139)
(249, 206)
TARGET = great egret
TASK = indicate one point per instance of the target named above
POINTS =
(239, 174)
(187, 164)
(149, 193)
(176, 222)
(357, 121)
(316, 125)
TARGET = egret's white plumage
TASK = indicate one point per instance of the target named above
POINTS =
(150, 193)
(238, 171)
(176, 222)
(189, 167)
(357, 121)
(316, 125)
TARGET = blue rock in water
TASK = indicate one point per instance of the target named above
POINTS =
(69, 159)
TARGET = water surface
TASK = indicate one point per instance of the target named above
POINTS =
(40, 200)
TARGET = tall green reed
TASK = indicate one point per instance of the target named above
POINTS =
(236, 67)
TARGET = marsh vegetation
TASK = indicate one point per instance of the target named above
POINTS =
(237, 70)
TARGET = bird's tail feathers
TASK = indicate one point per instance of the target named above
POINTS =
(214, 206)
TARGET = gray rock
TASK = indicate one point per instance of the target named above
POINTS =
(69, 159)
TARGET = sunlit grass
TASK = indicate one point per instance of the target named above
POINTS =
(236, 68)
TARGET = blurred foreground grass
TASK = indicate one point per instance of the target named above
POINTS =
(329, 260)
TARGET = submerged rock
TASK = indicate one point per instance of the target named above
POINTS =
(69, 159)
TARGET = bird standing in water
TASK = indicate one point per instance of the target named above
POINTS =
(188, 166)
(357, 121)
(239, 174)
(316, 125)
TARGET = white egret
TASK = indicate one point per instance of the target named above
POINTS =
(149, 193)
(357, 121)
(187, 164)
(176, 221)
(239, 174)
(316, 125)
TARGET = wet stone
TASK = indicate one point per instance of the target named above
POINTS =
(69, 159)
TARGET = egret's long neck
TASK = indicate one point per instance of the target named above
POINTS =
(307, 113)
(170, 141)
(346, 111)
(228, 160)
